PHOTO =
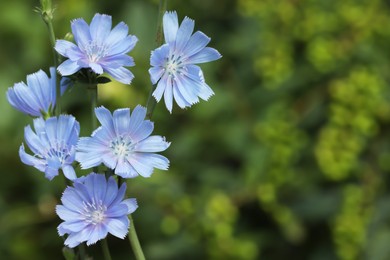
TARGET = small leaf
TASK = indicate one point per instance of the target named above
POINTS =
(68, 253)
(103, 80)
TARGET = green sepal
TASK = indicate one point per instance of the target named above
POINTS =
(68, 253)
(103, 80)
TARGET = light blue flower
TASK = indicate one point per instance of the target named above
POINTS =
(99, 48)
(93, 208)
(173, 63)
(53, 144)
(36, 98)
(123, 143)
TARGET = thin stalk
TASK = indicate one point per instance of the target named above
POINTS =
(56, 62)
(47, 17)
(93, 90)
(52, 37)
(135, 244)
(151, 103)
(106, 250)
(82, 251)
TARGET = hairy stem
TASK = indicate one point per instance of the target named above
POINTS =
(47, 16)
(151, 103)
(135, 244)
(106, 250)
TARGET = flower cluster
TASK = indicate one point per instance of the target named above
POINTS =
(123, 143)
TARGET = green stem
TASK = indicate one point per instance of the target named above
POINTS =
(93, 90)
(106, 250)
(82, 251)
(52, 37)
(135, 244)
(151, 103)
(47, 17)
(56, 61)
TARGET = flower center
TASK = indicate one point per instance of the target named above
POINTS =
(94, 213)
(121, 146)
(60, 152)
(95, 51)
(173, 65)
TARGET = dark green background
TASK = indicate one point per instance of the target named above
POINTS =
(289, 160)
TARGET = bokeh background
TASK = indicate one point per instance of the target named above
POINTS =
(289, 160)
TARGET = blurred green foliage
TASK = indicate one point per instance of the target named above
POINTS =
(289, 160)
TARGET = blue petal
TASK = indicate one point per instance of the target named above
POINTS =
(180, 100)
(153, 143)
(99, 232)
(66, 214)
(168, 94)
(73, 240)
(170, 25)
(205, 55)
(51, 131)
(52, 85)
(110, 160)
(123, 168)
(33, 142)
(16, 102)
(112, 191)
(90, 145)
(123, 46)
(99, 186)
(131, 205)
(81, 189)
(74, 226)
(121, 121)
(195, 75)
(142, 166)
(100, 27)
(137, 117)
(143, 131)
(117, 61)
(103, 136)
(187, 91)
(27, 97)
(39, 126)
(117, 34)
(39, 85)
(126, 170)
(119, 196)
(160, 89)
(62, 46)
(196, 43)
(72, 200)
(159, 56)
(68, 67)
(118, 226)
(89, 152)
(50, 173)
(96, 68)
(65, 127)
(184, 33)
(155, 160)
(31, 160)
(155, 74)
(75, 54)
(85, 233)
(69, 172)
(105, 118)
(117, 210)
(121, 74)
(81, 33)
